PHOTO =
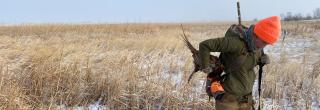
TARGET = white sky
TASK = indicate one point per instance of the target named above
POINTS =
(122, 11)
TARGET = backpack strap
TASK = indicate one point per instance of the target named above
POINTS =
(245, 34)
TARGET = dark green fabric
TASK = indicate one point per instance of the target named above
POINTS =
(239, 64)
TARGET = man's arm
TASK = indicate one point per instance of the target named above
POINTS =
(225, 44)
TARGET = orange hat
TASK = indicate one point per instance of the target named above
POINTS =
(268, 29)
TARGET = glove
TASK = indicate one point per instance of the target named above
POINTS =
(207, 70)
(264, 59)
(214, 89)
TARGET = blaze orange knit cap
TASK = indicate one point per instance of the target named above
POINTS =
(268, 29)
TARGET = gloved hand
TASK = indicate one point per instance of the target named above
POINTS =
(214, 89)
(264, 59)
(207, 70)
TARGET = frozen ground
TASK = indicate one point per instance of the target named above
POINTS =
(299, 49)
(295, 48)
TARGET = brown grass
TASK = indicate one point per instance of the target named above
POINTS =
(123, 66)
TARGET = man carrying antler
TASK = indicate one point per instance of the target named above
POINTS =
(241, 50)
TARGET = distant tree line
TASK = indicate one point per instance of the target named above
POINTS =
(295, 17)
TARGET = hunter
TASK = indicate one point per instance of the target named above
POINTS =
(241, 49)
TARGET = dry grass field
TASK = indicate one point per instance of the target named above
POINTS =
(140, 66)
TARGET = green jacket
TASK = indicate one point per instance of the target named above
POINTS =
(238, 62)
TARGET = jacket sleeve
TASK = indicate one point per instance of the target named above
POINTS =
(224, 44)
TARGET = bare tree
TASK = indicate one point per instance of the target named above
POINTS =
(289, 16)
(308, 17)
(316, 13)
(299, 16)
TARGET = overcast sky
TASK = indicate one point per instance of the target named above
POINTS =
(123, 11)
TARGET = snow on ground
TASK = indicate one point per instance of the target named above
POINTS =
(295, 49)
(94, 106)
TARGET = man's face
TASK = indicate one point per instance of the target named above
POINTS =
(258, 42)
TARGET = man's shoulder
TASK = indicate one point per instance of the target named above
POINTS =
(234, 31)
(235, 40)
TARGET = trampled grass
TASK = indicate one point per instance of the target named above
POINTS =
(137, 66)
